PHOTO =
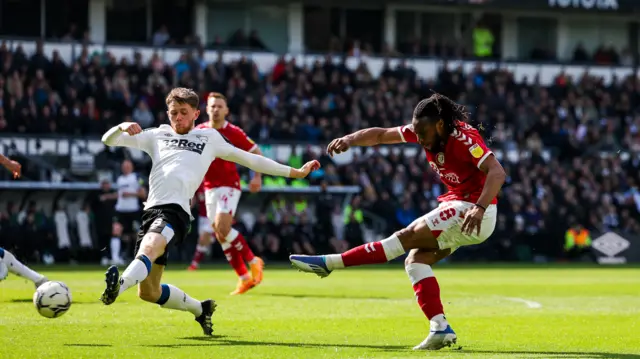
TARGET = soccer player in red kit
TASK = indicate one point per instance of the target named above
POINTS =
(222, 195)
(466, 215)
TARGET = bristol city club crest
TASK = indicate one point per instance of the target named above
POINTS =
(440, 158)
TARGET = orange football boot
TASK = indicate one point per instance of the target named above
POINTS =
(243, 286)
(257, 270)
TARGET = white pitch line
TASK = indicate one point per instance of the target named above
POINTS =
(531, 304)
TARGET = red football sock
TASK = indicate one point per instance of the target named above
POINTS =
(428, 294)
(197, 258)
(370, 253)
(241, 245)
(235, 259)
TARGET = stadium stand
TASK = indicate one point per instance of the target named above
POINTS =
(564, 143)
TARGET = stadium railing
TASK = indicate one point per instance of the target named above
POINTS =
(424, 67)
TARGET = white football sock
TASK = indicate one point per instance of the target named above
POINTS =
(333, 261)
(135, 273)
(115, 248)
(174, 298)
(392, 247)
(231, 236)
(16, 267)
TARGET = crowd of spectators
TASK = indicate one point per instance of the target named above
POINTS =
(575, 119)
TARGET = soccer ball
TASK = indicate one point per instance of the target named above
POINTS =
(52, 299)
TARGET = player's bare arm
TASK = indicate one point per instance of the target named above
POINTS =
(14, 167)
(495, 179)
(367, 137)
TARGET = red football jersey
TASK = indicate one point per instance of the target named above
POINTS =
(202, 207)
(459, 164)
(223, 173)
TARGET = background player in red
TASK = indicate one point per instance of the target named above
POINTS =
(222, 195)
(466, 215)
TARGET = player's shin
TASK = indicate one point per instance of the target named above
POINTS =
(153, 245)
(174, 298)
(16, 267)
(427, 291)
(369, 253)
(136, 272)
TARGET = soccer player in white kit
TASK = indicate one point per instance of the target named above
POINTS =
(181, 156)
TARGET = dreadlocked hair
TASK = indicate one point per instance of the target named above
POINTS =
(439, 106)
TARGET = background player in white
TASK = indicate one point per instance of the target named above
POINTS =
(8, 262)
(181, 155)
(130, 193)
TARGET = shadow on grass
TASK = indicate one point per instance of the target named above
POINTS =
(214, 341)
(88, 345)
(223, 340)
(310, 295)
(25, 300)
(205, 339)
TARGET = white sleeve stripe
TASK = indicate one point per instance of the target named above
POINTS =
(401, 134)
(484, 158)
(253, 148)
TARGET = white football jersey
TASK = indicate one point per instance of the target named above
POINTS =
(128, 183)
(179, 162)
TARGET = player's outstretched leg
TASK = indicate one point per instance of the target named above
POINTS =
(416, 235)
(427, 292)
(369, 253)
(16, 267)
(172, 297)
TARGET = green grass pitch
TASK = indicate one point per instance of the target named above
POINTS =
(586, 312)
